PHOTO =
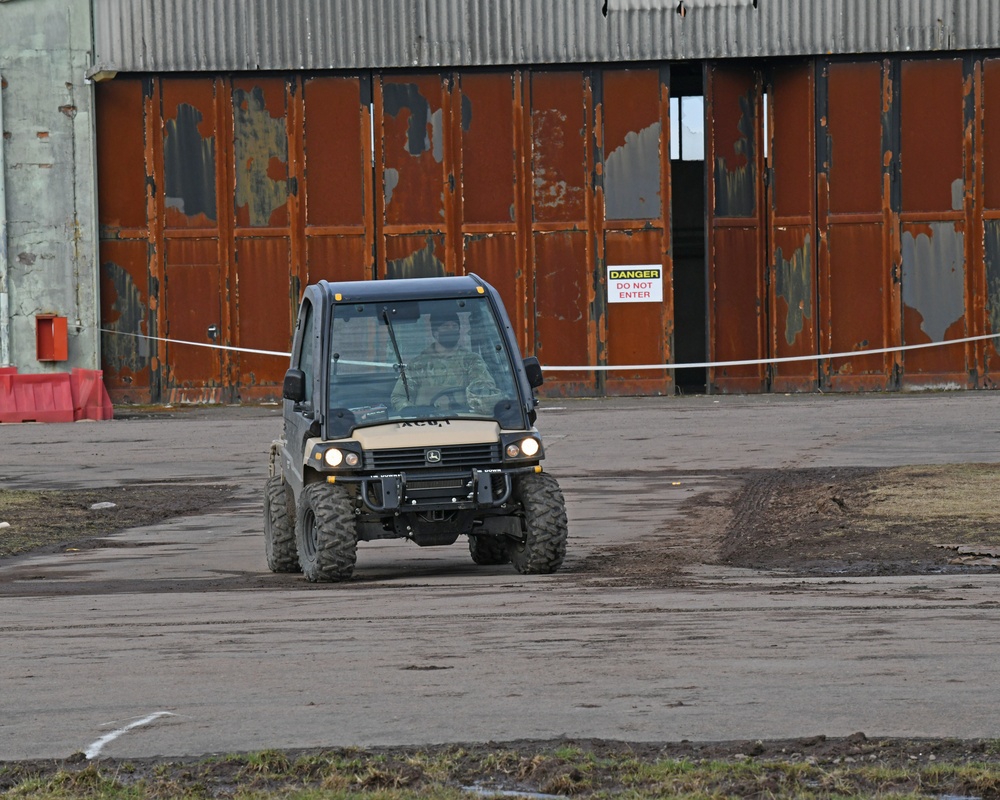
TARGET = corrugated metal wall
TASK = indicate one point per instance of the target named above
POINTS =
(226, 35)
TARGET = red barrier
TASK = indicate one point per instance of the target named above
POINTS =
(90, 397)
(55, 397)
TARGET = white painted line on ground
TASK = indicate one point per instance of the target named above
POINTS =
(96, 747)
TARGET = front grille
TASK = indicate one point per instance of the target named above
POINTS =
(452, 455)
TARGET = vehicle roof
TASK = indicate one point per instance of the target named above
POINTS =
(403, 289)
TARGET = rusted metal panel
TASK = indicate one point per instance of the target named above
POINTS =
(934, 276)
(735, 137)
(563, 292)
(125, 310)
(489, 171)
(561, 120)
(736, 295)
(265, 308)
(192, 297)
(188, 250)
(991, 134)
(335, 258)
(494, 257)
(634, 110)
(932, 130)
(793, 320)
(990, 198)
(337, 152)
(411, 131)
(189, 154)
(121, 180)
(415, 256)
(859, 299)
(631, 101)
(337, 179)
(638, 333)
(260, 152)
(991, 242)
(493, 209)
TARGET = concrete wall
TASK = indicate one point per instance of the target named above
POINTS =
(47, 181)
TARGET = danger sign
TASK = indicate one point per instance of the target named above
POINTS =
(637, 283)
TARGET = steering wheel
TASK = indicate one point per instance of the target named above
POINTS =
(451, 392)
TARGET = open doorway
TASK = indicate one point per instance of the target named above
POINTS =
(687, 171)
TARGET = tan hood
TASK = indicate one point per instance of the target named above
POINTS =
(425, 433)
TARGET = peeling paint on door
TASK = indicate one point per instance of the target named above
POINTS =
(794, 284)
(129, 354)
(934, 276)
(424, 129)
(261, 150)
(422, 263)
(188, 164)
(736, 180)
(632, 176)
(993, 276)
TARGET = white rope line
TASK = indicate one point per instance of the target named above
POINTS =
(198, 344)
(626, 367)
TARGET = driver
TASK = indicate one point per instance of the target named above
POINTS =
(443, 365)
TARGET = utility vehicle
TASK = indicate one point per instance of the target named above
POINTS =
(409, 413)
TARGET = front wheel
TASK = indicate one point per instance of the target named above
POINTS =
(279, 529)
(326, 533)
(543, 545)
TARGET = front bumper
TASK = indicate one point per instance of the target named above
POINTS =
(432, 490)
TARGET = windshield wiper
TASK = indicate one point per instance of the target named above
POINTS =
(395, 347)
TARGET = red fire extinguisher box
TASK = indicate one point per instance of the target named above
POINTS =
(51, 338)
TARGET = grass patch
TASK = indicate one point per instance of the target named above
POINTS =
(816, 768)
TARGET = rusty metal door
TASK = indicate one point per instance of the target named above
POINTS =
(339, 214)
(858, 270)
(127, 295)
(562, 258)
(634, 191)
(791, 187)
(495, 191)
(413, 158)
(193, 249)
(988, 199)
(935, 131)
(265, 210)
(736, 235)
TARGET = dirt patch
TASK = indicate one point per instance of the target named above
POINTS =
(49, 521)
(824, 522)
(901, 521)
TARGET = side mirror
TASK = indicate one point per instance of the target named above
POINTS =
(534, 372)
(294, 387)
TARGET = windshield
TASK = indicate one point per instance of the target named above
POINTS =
(426, 359)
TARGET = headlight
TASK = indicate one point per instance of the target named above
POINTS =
(333, 457)
(352, 459)
(530, 447)
(513, 451)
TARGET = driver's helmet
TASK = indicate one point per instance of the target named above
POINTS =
(482, 396)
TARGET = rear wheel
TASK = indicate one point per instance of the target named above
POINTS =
(543, 545)
(279, 529)
(326, 533)
(486, 549)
